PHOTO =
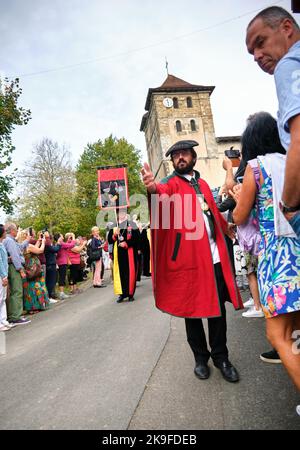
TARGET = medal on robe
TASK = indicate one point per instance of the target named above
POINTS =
(204, 205)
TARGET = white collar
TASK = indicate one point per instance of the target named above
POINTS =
(189, 177)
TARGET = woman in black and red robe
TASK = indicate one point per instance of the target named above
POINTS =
(125, 239)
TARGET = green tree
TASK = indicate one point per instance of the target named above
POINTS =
(49, 190)
(10, 115)
(111, 151)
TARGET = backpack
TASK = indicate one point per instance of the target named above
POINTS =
(93, 255)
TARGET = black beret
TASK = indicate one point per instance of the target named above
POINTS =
(182, 145)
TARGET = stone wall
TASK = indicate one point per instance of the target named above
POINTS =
(161, 133)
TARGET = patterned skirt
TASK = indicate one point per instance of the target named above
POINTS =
(35, 294)
(279, 275)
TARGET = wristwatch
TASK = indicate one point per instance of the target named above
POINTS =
(288, 209)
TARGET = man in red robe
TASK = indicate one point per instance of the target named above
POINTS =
(192, 272)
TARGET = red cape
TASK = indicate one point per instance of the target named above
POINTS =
(183, 273)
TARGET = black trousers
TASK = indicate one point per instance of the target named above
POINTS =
(51, 279)
(217, 329)
(62, 272)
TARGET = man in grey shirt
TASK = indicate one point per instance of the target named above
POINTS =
(273, 38)
(16, 274)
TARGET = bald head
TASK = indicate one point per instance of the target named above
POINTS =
(273, 16)
(270, 35)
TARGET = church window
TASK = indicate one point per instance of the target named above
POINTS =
(178, 126)
(193, 125)
(189, 102)
(175, 103)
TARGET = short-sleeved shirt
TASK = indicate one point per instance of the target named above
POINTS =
(287, 80)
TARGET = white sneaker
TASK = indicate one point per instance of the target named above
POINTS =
(4, 328)
(62, 296)
(249, 303)
(253, 312)
(51, 300)
(7, 324)
(298, 410)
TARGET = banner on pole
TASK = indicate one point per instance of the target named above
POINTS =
(113, 187)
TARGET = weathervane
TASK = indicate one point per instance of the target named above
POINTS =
(167, 66)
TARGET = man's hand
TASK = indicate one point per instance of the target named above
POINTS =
(148, 179)
(231, 231)
(123, 245)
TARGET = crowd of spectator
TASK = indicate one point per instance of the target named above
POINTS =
(37, 270)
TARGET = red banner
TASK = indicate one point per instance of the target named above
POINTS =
(113, 187)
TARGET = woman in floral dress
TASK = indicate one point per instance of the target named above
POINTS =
(35, 293)
(279, 255)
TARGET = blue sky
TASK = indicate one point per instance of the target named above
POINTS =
(90, 100)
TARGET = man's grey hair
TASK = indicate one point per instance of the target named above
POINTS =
(10, 227)
(273, 16)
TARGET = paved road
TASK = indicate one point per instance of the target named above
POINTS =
(89, 363)
(82, 365)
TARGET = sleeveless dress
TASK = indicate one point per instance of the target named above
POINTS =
(35, 294)
(278, 260)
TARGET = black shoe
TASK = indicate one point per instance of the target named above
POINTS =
(120, 299)
(202, 371)
(228, 371)
(131, 299)
(97, 286)
(271, 357)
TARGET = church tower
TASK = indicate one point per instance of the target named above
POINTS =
(178, 110)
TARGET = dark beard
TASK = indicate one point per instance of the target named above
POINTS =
(185, 170)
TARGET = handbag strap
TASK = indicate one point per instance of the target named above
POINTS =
(253, 163)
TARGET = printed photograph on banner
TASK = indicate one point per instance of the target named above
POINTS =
(113, 187)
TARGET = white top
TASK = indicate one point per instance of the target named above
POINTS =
(212, 242)
(274, 164)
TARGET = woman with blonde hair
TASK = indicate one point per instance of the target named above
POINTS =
(96, 257)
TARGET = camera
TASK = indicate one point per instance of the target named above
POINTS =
(234, 155)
